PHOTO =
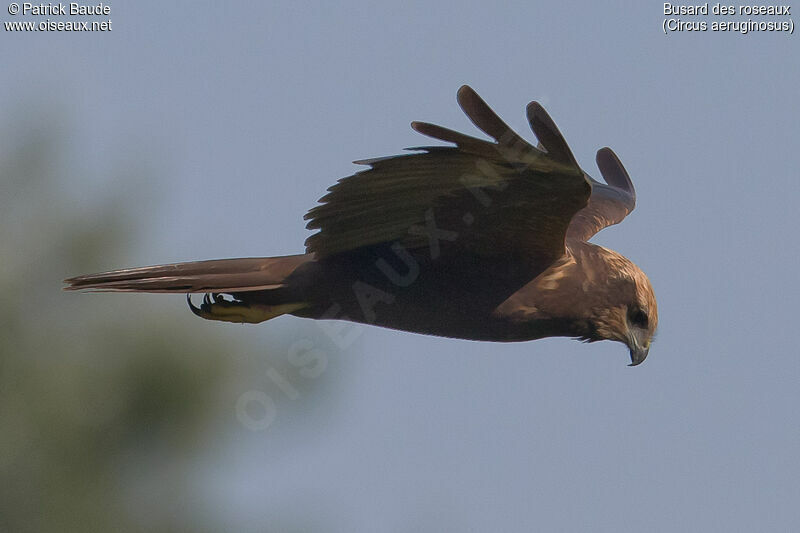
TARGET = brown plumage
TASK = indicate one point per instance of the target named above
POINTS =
(481, 240)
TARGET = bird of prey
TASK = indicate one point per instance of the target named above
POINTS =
(482, 240)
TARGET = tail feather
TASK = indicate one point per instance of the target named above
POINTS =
(217, 275)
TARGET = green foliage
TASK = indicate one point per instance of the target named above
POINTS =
(99, 420)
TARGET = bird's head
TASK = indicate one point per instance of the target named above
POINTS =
(629, 314)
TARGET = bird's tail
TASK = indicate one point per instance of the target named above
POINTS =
(230, 276)
(217, 275)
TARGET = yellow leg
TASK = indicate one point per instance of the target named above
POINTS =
(215, 307)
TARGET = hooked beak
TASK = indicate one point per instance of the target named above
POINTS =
(638, 355)
(637, 340)
(639, 346)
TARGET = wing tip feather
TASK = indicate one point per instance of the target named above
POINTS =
(613, 171)
(550, 137)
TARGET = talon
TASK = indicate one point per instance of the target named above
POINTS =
(216, 307)
(196, 310)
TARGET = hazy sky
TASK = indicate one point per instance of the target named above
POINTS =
(241, 114)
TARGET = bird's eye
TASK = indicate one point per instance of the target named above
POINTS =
(637, 317)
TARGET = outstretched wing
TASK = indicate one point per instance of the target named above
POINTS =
(502, 199)
(608, 204)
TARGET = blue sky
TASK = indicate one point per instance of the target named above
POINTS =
(241, 115)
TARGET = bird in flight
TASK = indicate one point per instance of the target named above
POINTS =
(481, 240)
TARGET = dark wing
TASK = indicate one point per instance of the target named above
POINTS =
(502, 199)
(608, 204)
